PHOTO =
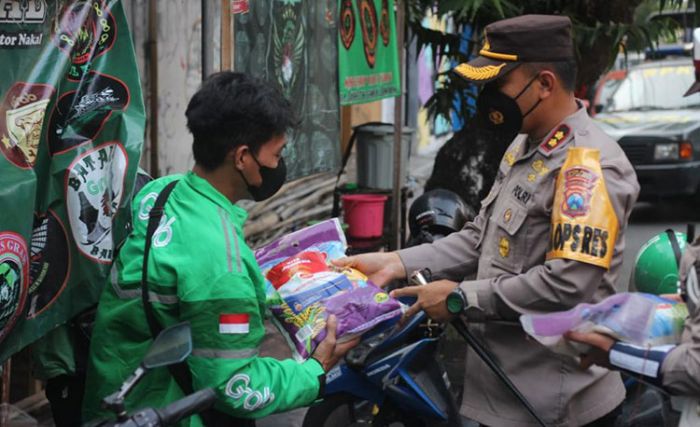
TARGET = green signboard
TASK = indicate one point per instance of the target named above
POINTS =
(368, 62)
(292, 44)
(71, 131)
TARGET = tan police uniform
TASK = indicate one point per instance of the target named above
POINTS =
(680, 371)
(549, 235)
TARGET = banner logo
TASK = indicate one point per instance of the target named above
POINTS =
(368, 23)
(94, 190)
(49, 262)
(14, 277)
(84, 31)
(80, 115)
(347, 24)
(21, 122)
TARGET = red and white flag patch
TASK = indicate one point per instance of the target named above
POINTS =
(234, 323)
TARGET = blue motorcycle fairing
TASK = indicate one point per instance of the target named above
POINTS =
(390, 377)
(343, 379)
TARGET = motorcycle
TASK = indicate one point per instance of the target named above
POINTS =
(171, 346)
(395, 375)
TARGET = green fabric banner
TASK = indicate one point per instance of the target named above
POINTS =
(71, 130)
(368, 57)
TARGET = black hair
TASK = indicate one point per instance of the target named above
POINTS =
(232, 109)
(565, 70)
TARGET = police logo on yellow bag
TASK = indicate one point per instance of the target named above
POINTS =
(584, 224)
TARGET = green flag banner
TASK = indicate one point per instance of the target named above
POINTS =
(368, 58)
(71, 130)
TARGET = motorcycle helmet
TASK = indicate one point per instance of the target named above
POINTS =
(656, 266)
(435, 214)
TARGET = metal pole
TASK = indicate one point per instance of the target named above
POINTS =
(153, 84)
(206, 56)
(226, 27)
(398, 130)
(4, 413)
(487, 358)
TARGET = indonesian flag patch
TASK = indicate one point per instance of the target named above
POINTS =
(234, 323)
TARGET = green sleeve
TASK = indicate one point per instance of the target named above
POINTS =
(247, 386)
(54, 354)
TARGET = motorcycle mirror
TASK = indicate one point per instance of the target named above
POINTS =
(171, 346)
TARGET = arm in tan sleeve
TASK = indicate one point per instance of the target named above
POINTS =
(453, 257)
(558, 284)
(681, 369)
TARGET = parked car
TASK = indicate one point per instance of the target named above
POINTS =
(604, 89)
(657, 127)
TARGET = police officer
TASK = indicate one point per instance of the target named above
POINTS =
(549, 235)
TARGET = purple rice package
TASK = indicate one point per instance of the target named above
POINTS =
(637, 318)
(303, 288)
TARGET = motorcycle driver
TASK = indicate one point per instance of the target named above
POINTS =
(200, 269)
(675, 369)
(549, 235)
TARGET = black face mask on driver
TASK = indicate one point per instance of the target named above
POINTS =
(272, 180)
(498, 112)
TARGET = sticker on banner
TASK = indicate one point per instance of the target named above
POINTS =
(14, 278)
(94, 190)
(22, 114)
(84, 31)
(80, 115)
(50, 261)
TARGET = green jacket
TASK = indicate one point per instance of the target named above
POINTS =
(201, 271)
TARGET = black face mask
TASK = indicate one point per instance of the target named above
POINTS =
(498, 112)
(272, 180)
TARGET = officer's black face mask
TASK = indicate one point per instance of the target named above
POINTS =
(272, 180)
(500, 113)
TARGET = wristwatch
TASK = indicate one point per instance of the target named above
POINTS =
(456, 301)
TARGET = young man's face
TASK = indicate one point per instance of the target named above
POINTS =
(268, 155)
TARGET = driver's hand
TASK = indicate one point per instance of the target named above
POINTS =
(329, 352)
(380, 267)
(599, 354)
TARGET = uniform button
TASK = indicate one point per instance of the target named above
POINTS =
(507, 215)
(504, 247)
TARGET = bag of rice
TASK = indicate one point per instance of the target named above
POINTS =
(303, 288)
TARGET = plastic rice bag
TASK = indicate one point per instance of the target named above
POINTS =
(637, 318)
(303, 288)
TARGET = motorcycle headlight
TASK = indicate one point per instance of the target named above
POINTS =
(666, 151)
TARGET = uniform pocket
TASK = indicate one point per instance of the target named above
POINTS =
(509, 232)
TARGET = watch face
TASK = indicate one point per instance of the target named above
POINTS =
(455, 303)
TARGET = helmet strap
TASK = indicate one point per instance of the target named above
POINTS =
(675, 246)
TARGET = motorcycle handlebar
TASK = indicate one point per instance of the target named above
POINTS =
(188, 405)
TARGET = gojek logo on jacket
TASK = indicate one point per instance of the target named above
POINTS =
(238, 388)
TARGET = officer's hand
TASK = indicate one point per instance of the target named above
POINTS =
(431, 298)
(600, 348)
(380, 267)
(329, 352)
